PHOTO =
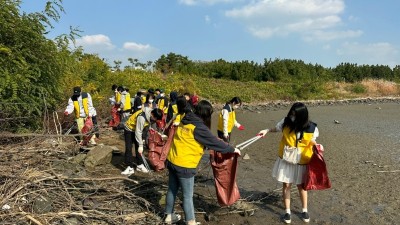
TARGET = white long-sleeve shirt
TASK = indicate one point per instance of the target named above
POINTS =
(92, 111)
(225, 118)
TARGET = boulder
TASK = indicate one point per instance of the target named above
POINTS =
(98, 156)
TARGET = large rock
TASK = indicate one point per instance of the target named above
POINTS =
(98, 156)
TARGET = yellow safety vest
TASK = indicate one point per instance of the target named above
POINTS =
(231, 119)
(77, 106)
(304, 145)
(185, 151)
(131, 122)
(117, 97)
(127, 103)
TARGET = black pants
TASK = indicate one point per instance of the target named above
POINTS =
(129, 141)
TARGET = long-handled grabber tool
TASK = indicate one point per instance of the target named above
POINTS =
(145, 163)
(245, 144)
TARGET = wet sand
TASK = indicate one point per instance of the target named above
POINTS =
(362, 156)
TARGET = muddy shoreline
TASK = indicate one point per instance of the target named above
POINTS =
(361, 155)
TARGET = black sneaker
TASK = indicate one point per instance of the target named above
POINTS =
(286, 218)
(305, 217)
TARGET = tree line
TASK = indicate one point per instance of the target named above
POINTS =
(274, 70)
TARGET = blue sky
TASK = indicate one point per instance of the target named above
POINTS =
(326, 32)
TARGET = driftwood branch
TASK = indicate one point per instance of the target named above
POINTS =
(33, 220)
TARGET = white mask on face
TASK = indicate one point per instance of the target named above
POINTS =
(236, 106)
(292, 118)
(151, 100)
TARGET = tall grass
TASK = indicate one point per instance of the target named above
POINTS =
(219, 91)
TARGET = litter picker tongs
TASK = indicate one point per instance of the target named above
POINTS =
(145, 163)
(245, 144)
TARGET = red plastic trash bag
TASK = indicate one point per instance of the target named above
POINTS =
(87, 131)
(115, 117)
(316, 176)
(224, 168)
(159, 146)
(162, 123)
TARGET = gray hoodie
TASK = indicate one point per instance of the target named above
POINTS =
(140, 125)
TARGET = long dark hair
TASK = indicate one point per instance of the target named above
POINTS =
(204, 110)
(182, 103)
(301, 122)
(157, 113)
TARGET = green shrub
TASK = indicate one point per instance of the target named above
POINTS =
(358, 88)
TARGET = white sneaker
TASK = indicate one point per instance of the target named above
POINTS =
(93, 140)
(172, 218)
(142, 168)
(128, 171)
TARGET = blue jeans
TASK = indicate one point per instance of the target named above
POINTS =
(187, 185)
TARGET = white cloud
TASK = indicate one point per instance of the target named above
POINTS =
(381, 53)
(268, 18)
(97, 41)
(132, 46)
(201, 2)
(102, 46)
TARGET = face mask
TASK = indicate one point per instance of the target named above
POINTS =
(151, 100)
(292, 118)
(236, 106)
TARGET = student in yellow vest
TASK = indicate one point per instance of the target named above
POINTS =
(297, 131)
(81, 103)
(227, 119)
(125, 106)
(133, 133)
(191, 138)
(162, 101)
(172, 113)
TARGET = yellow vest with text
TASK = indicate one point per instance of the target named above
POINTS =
(231, 119)
(77, 107)
(131, 122)
(304, 145)
(185, 151)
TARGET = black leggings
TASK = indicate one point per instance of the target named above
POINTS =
(129, 141)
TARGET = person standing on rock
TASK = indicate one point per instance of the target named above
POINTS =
(227, 119)
(298, 134)
(191, 138)
(134, 128)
